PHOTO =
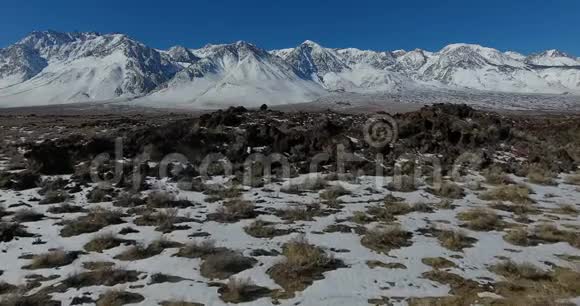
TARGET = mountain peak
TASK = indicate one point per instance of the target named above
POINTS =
(556, 53)
(310, 44)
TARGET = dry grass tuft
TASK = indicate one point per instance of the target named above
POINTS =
(99, 195)
(518, 237)
(549, 233)
(138, 252)
(65, 208)
(454, 240)
(303, 264)
(52, 259)
(119, 298)
(517, 194)
(479, 219)
(300, 212)
(384, 240)
(127, 199)
(199, 249)
(27, 215)
(541, 176)
(55, 196)
(106, 276)
(241, 291)
(104, 242)
(234, 210)
(263, 229)
(514, 270)
(333, 192)
(225, 264)
(19, 299)
(438, 262)
(495, 175)
(449, 190)
(95, 220)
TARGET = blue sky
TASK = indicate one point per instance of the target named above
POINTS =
(520, 25)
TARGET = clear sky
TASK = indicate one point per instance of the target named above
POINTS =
(520, 25)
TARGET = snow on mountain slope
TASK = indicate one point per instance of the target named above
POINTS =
(355, 57)
(86, 67)
(553, 58)
(411, 61)
(235, 74)
(54, 68)
(19, 63)
(314, 61)
(476, 67)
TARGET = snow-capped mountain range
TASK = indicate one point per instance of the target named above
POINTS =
(57, 68)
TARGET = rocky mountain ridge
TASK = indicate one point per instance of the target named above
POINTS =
(55, 68)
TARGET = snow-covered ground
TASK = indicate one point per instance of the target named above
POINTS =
(351, 285)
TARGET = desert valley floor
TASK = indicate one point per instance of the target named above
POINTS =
(507, 233)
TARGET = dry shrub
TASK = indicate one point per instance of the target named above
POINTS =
(263, 229)
(49, 185)
(139, 251)
(234, 210)
(20, 299)
(199, 249)
(384, 240)
(119, 298)
(540, 175)
(101, 277)
(300, 212)
(479, 219)
(159, 199)
(303, 264)
(333, 192)
(518, 194)
(518, 237)
(97, 219)
(397, 208)
(9, 231)
(514, 270)
(241, 291)
(218, 193)
(104, 242)
(454, 240)
(551, 234)
(52, 259)
(27, 215)
(97, 265)
(518, 209)
(225, 264)
(55, 196)
(127, 199)
(99, 195)
(164, 220)
(438, 262)
(361, 218)
(449, 190)
(495, 175)
(65, 208)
